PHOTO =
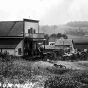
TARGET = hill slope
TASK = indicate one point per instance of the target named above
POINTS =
(70, 26)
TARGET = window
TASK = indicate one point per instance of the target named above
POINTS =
(52, 43)
(19, 51)
(34, 31)
(30, 30)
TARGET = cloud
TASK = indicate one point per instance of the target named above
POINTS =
(67, 10)
(47, 11)
(19, 9)
(58, 13)
(78, 10)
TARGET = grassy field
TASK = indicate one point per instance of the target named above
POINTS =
(43, 73)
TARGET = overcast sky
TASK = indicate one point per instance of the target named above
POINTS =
(49, 12)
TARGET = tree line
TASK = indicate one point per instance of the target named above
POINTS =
(54, 35)
(77, 24)
(79, 32)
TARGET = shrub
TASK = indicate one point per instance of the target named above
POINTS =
(57, 70)
(63, 82)
(4, 56)
(81, 76)
(71, 79)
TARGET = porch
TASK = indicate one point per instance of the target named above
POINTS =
(32, 43)
(34, 35)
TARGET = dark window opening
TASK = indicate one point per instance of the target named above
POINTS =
(31, 30)
(34, 30)
(19, 51)
(28, 30)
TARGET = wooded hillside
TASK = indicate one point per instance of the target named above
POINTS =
(73, 28)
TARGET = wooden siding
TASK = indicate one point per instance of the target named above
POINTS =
(81, 47)
(20, 45)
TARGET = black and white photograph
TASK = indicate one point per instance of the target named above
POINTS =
(43, 43)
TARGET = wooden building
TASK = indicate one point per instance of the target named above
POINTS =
(61, 43)
(80, 42)
(52, 40)
(20, 38)
(64, 44)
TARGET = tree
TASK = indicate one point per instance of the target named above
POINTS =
(46, 36)
(64, 36)
(53, 35)
(78, 31)
(59, 35)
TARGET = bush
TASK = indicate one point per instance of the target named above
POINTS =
(57, 70)
(63, 82)
(81, 76)
(71, 79)
(9, 69)
(4, 56)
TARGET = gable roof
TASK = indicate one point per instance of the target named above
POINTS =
(11, 28)
(63, 41)
(52, 39)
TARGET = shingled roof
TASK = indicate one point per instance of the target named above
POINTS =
(10, 43)
(63, 41)
(11, 28)
(52, 39)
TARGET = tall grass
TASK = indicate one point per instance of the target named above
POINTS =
(71, 79)
(19, 71)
